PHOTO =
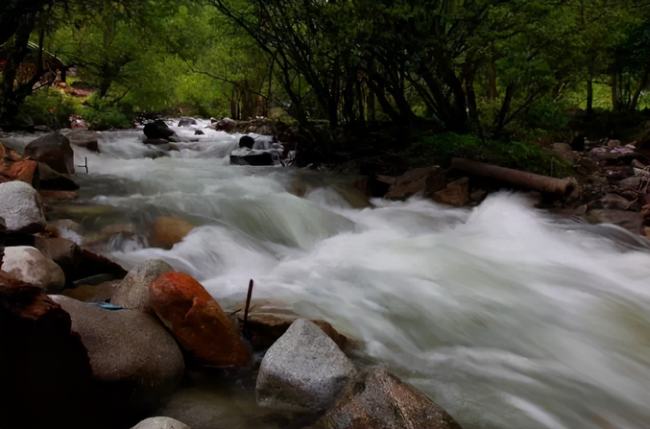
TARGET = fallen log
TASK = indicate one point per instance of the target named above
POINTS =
(518, 178)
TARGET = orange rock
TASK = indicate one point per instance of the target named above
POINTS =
(167, 231)
(197, 321)
(24, 171)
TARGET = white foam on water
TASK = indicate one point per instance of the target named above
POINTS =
(504, 315)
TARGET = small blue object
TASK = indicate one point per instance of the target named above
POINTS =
(109, 306)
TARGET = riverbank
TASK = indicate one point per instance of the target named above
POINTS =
(428, 290)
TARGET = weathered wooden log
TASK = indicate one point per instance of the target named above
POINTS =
(518, 178)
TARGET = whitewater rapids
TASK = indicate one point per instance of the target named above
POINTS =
(504, 315)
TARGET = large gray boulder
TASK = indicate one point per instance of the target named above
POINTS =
(54, 150)
(303, 371)
(378, 399)
(133, 290)
(29, 265)
(21, 208)
(134, 359)
(160, 423)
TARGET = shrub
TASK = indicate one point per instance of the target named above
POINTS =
(441, 148)
(101, 115)
(47, 107)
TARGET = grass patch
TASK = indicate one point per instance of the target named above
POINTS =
(441, 148)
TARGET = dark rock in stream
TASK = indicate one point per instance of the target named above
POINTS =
(378, 399)
(45, 372)
(303, 371)
(49, 179)
(54, 150)
(247, 142)
(158, 129)
(134, 359)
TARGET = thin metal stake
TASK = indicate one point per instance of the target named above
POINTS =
(85, 165)
(247, 308)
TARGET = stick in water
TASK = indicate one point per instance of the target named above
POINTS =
(248, 305)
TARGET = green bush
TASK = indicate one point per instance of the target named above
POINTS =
(104, 116)
(47, 107)
(441, 148)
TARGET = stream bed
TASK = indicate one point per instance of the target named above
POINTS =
(504, 315)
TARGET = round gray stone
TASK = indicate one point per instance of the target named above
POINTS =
(160, 423)
(303, 371)
(21, 208)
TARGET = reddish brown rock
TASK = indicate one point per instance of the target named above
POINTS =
(44, 367)
(455, 194)
(266, 324)
(197, 321)
(167, 231)
(420, 180)
(24, 170)
(52, 196)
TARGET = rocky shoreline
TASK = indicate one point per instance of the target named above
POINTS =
(84, 343)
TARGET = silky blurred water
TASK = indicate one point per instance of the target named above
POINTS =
(504, 315)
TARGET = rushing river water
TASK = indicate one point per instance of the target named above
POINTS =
(504, 315)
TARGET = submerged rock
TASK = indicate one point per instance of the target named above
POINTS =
(187, 122)
(197, 321)
(29, 265)
(21, 208)
(166, 231)
(133, 290)
(632, 221)
(303, 371)
(378, 399)
(160, 423)
(135, 360)
(54, 150)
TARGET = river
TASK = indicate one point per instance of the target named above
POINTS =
(505, 315)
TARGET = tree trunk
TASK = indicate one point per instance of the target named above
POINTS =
(590, 95)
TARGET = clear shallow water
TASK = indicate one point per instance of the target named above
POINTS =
(505, 316)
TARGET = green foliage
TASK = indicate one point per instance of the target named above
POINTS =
(47, 107)
(441, 148)
(101, 115)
